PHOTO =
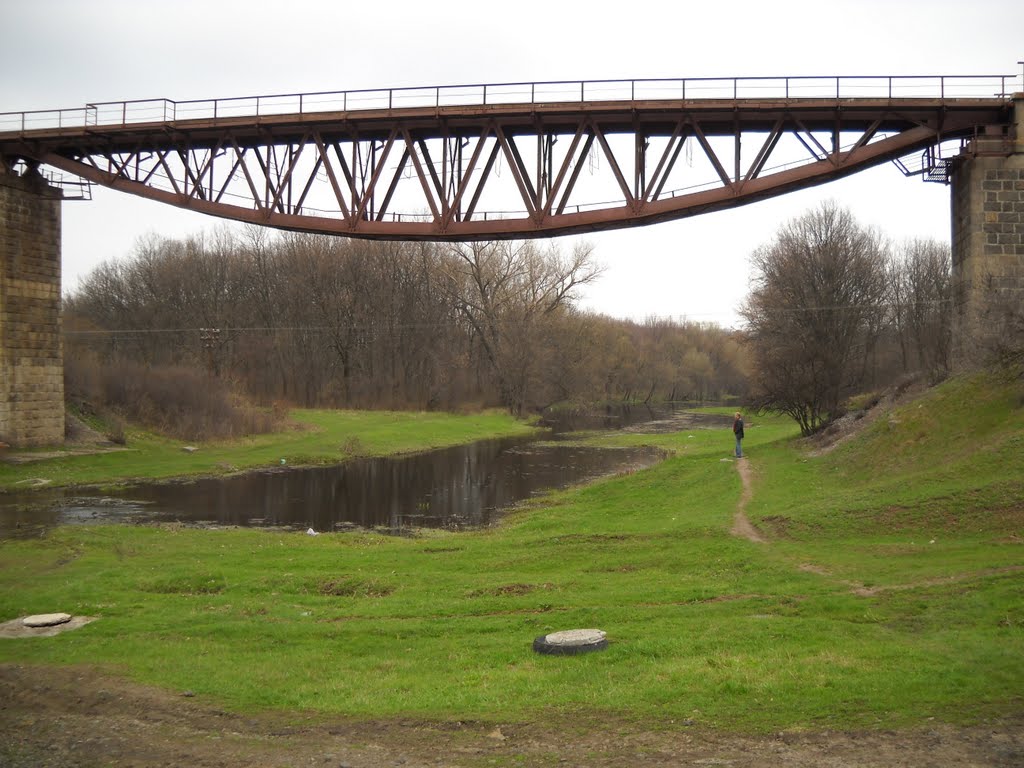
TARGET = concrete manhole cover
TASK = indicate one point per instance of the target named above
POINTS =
(43, 625)
(571, 641)
(46, 619)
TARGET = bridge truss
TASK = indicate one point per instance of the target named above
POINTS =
(520, 160)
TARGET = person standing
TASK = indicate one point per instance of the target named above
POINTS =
(737, 430)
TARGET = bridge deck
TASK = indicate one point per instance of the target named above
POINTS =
(716, 117)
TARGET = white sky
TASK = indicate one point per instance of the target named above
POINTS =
(64, 53)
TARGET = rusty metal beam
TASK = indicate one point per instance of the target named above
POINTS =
(332, 177)
(464, 178)
(766, 149)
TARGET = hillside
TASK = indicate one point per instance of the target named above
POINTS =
(949, 458)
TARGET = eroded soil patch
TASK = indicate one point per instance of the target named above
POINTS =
(52, 717)
(741, 525)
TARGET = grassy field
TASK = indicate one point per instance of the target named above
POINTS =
(891, 591)
(316, 437)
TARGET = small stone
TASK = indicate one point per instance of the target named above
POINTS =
(46, 619)
(189, 449)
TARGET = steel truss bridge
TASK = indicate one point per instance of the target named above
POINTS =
(513, 160)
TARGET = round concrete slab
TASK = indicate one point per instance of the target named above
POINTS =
(571, 641)
(46, 619)
(16, 628)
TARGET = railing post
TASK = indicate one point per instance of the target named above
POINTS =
(890, 87)
(632, 90)
(485, 95)
(583, 96)
(300, 104)
(391, 95)
(942, 87)
(787, 88)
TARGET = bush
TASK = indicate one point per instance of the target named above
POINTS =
(181, 402)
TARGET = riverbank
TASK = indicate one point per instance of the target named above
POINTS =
(886, 596)
(314, 437)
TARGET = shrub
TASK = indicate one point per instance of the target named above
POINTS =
(185, 403)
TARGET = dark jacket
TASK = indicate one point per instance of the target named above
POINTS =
(737, 428)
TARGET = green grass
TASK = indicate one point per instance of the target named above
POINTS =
(703, 626)
(318, 437)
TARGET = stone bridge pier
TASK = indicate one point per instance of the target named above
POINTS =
(988, 243)
(31, 357)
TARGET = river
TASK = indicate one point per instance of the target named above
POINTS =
(463, 487)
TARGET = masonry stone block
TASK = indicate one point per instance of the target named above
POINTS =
(31, 353)
(988, 250)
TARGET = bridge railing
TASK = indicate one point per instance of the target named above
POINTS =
(123, 113)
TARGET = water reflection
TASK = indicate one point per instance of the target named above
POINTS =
(611, 416)
(461, 487)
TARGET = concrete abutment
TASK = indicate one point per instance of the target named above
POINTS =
(988, 244)
(31, 353)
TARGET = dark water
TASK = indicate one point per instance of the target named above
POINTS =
(461, 487)
(611, 417)
(466, 486)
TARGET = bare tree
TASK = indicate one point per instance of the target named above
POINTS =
(814, 313)
(921, 291)
(506, 291)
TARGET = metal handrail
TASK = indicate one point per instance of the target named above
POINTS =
(122, 113)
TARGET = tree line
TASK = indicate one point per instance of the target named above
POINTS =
(833, 308)
(313, 320)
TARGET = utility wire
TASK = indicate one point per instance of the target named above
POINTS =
(422, 326)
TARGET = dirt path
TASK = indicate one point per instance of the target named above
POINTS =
(741, 526)
(53, 717)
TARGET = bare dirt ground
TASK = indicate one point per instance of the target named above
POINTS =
(848, 426)
(80, 717)
(741, 526)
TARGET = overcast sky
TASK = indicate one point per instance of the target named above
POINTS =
(64, 53)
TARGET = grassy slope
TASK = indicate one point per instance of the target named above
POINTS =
(323, 437)
(704, 626)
